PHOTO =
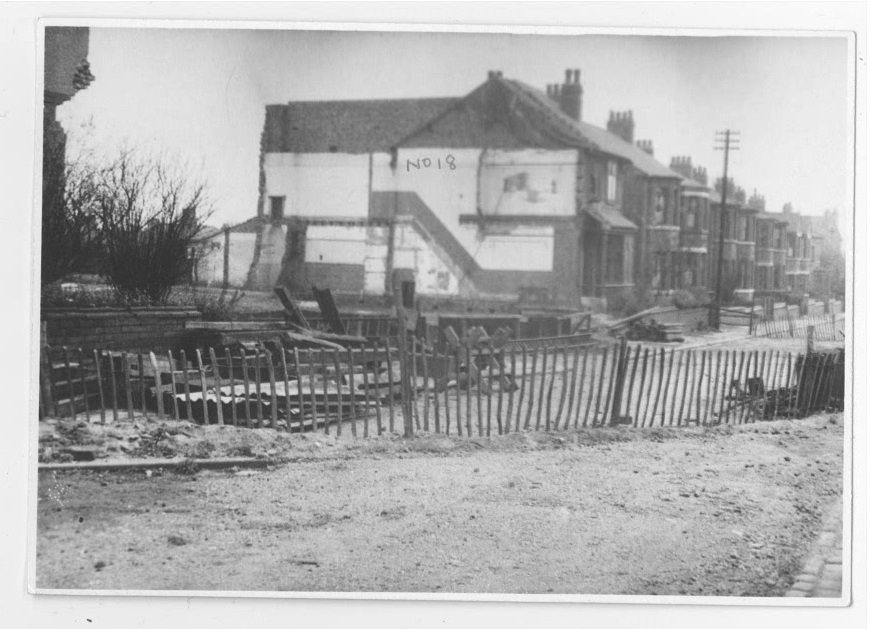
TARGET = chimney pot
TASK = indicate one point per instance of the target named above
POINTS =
(490, 74)
(577, 76)
(568, 76)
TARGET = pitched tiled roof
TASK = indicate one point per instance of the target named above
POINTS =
(351, 126)
(601, 138)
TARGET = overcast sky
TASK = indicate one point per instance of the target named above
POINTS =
(200, 95)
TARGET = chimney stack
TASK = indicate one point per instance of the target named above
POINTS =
(570, 95)
(646, 146)
(682, 164)
(757, 201)
(700, 175)
(494, 74)
(622, 124)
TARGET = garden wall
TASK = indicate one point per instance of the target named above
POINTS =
(133, 329)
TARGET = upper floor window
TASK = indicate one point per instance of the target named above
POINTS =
(612, 181)
(691, 208)
(276, 208)
(658, 207)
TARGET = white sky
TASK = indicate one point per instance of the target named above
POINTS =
(200, 95)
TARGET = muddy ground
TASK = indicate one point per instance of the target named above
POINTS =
(725, 511)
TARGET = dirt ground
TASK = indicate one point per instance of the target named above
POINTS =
(724, 511)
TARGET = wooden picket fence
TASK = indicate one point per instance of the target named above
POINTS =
(826, 327)
(467, 390)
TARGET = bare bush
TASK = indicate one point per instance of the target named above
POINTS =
(149, 215)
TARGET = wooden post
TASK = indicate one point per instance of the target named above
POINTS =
(187, 386)
(412, 383)
(687, 385)
(639, 420)
(392, 395)
(479, 381)
(140, 363)
(510, 411)
(778, 380)
(618, 384)
(490, 361)
(699, 388)
(366, 393)
(602, 373)
(563, 389)
(541, 394)
(531, 402)
(158, 385)
(273, 397)
(571, 382)
(113, 381)
(287, 405)
(457, 361)
(97, 359)
(246, 385)
(71, 398)
(469, 367)
(257, 387)
(446, 356)
(522, 388)
(203, 387)
(724, 389)
(216, 374)
(84, 381)
(404, 375)
(352, 395)
(591, 392)
(660, 387)
(312, 394)
(631, 387)
(175, 414)
(338, 377)
(499, 422)
(128, 387)
(425, 366)
(667, 385)
(810, 339)
(675, 395)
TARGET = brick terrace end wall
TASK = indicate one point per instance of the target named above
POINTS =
(134, 329)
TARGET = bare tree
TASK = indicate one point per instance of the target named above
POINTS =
(149, 215)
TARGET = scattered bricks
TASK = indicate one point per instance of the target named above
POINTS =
(835, 558)
(814, 566)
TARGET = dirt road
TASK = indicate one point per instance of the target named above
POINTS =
(720, 511)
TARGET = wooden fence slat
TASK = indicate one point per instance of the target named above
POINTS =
(745, 409)
(84, 383)
(312, 394)
(288, 407)
(446, 357)
(469, 370)
(701, 384)
(338, 379)
(367, 398)
(522, 388)
(531, 402)
(187, 386)
(590, 390)
(687, 385)
(612, 381)
(563, 389)
(140, 363)
(512, 356)
(158, 385)
(570, 382)
(711, 387)
(203, 386)
(667, 387)
(778, 380)
(412, 390)
(549, 407)
(352, 395)
(128, 386)
(175, 414)
(602, 373)
(216, 386)
(424, 363)
(630, 389)
(740, 401)
(790, 361)
(114, 383)
(391, 394)
(100, 390)
(258, 386)
(71, 404)
(273, 396)
(490, 360)
(246, 385)
(728, 376)
(459, 381)
(671, 409)
(661, 386)
(499, 422)
(640, 397)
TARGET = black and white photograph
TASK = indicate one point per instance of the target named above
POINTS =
(458, 314)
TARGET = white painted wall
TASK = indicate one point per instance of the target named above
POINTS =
(431, 275)
(335, 244)
(319, 184)
(523, 248)
(532, 182)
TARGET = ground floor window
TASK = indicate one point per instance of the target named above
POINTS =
(615, 259)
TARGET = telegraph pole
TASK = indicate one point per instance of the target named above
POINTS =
(725, 141)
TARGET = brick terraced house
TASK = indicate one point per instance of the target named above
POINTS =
(503, 194)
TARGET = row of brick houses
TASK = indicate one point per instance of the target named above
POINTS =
(504, 193)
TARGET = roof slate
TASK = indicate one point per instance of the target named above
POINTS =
(351, 126)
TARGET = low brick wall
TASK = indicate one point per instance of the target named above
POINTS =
(134, 329)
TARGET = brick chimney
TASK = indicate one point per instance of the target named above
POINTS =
(621, 123)
(757, 201)
(682, 164)
(787, 208)
(569, 95)
(646, 146)
(700, 175)
(494, 74)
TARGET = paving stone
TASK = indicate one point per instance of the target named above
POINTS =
(832, 571)
(836, 558)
